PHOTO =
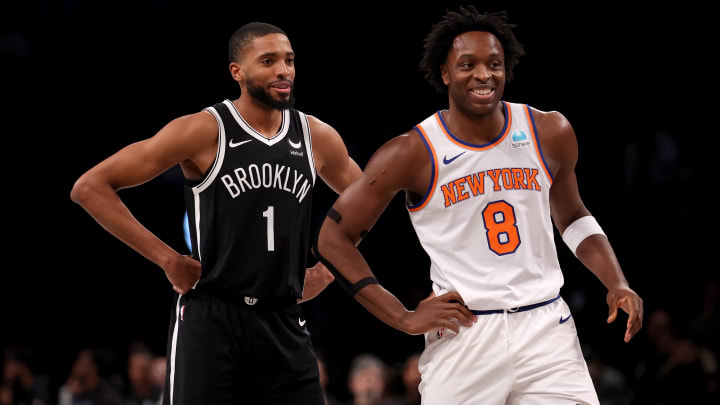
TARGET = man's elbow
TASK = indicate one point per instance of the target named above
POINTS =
(82, 190)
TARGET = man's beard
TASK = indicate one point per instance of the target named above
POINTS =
(259, 93)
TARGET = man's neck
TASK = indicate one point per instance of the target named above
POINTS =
(475, 129)
(260, 117)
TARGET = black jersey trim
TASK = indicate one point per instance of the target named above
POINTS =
(284, 126)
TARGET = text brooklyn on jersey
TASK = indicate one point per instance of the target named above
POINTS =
(250, 213)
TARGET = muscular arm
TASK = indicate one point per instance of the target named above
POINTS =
(560, 147)
(188, 139)
(338, 170)
(401, 164)
(332, 162)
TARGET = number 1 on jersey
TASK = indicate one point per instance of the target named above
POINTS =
(269, 213)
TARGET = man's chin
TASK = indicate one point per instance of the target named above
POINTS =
(278, 104)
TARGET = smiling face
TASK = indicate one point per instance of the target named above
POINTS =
(474, 72)
(266, 71)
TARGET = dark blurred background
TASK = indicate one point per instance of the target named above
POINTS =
(80, 81)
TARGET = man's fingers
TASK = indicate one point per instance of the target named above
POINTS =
(633, 325)
(451, 296)
(462, 316)
(612, 311)
(177, 290)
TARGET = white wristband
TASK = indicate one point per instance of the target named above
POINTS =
(579, 230)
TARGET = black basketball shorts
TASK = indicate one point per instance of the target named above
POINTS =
(234, 353)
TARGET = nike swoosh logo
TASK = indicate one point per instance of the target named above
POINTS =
(448, 161)
(565, 320)
(294, 145)
(235, 145)
(301, 322)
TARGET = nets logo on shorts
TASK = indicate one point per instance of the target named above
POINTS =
(519, 140)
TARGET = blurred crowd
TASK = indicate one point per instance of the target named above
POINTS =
(676, 366)
(93, 379)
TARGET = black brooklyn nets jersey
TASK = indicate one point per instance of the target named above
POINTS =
(249, 215)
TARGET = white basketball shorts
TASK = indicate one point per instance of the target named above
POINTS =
(529, 358)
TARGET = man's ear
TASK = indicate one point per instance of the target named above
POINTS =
(237, 72)
(444, 74)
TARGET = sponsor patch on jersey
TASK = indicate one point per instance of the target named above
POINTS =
(519, 140)
(251, 300)
(296, 153)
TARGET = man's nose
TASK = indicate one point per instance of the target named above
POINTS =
(283, 70)
(482, 73)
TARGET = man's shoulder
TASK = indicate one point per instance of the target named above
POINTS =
(199, 123)
(548, 120)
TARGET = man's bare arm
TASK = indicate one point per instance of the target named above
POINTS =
(338, 170)
(595, 252)
(187, 138)
(401, 164)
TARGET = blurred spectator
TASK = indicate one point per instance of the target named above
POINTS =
(677, 371)
(143, 389)
(704, 328)
(609, 382)
(88, 383)
(411, 381)
(366, 380)
(324, 379)
(159, 368)
(20, 384)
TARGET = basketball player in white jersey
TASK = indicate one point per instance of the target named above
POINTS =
(483, 180)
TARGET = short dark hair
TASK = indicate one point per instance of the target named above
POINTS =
(439, 42)
(244, 36)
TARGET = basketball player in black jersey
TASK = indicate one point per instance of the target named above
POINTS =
(236, 334)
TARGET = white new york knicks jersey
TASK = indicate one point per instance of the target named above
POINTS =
(485, 219)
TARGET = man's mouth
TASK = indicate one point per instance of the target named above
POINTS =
(282, 87)
(482, 91)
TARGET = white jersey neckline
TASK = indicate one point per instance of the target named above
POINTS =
(284, 126)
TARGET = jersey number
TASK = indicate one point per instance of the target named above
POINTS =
(269, 214)
(502, 231)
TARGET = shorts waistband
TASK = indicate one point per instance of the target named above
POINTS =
(249, 302)
(517, 309)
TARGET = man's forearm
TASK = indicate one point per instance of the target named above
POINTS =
(596, 253)
(104, 205)
(339, 251)
(384, 305)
